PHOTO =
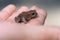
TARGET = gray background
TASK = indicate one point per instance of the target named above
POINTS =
(52, 7)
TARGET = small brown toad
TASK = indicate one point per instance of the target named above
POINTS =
(26, 16)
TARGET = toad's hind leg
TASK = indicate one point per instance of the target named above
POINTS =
(24, 20)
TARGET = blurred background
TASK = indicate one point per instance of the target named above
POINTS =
(51, 6)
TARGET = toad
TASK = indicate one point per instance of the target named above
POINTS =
(26, 16)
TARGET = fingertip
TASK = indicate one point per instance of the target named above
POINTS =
(23, 8)
(42, 12)
(13, 6)
(34, 7)
(10, 7)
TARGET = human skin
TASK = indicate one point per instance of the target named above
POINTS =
(33, 30)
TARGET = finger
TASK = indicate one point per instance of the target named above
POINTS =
(41, 16)
(23, 8)
(7, 12)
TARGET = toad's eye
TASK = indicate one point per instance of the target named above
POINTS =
(33, 13)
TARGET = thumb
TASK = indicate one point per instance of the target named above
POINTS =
(52, 33)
